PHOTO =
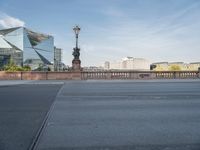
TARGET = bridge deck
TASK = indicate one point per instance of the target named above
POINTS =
(113, 115)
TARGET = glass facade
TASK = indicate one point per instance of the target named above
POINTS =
(26, 47)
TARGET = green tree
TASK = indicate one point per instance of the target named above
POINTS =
(175, 68)
(13, 67)
(26, 68)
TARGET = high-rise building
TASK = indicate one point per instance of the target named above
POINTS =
(58, 59)
(26, 47)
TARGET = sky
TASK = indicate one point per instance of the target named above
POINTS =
(157, 30)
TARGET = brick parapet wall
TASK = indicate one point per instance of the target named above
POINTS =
(101, 75)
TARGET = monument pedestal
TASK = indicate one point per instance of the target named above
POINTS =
(76, 65)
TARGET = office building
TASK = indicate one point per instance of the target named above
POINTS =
(25, 47)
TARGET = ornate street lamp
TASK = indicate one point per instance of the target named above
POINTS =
(76, 31)
(76, 63)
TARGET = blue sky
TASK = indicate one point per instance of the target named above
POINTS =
(157, 30)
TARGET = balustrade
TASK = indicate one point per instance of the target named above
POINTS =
(99, 75)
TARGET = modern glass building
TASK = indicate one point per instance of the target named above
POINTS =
(26, 47)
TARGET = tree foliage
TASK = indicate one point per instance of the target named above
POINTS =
(12, 67)
(175, 68)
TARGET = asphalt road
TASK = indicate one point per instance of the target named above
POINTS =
(125, 115)
(22, 111)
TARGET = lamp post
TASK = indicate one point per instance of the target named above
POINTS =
(76, 31)
(76, 63)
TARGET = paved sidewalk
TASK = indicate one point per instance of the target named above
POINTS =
(13, 82)
(38, 82)
(23, 107)
(117, 115)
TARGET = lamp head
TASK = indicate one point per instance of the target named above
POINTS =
(76, 30)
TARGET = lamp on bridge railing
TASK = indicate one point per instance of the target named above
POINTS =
(76, 63)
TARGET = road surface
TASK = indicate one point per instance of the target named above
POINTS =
(124, 115)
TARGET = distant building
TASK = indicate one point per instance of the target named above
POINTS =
(26, 47)
(130, 63)
(58, 66)
(167, 66)
(115, 65)
(107, 65)
(194, 66)
(160, 66)
(93, 68)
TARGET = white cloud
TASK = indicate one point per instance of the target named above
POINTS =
(7, 21)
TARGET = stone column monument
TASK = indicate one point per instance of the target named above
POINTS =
(76, 62)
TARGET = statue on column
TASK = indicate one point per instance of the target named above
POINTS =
(76, 63)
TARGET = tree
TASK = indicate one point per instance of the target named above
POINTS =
(175, 68)
(13, 67)
(26, 68)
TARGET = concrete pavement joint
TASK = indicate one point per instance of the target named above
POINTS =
(44, 124)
